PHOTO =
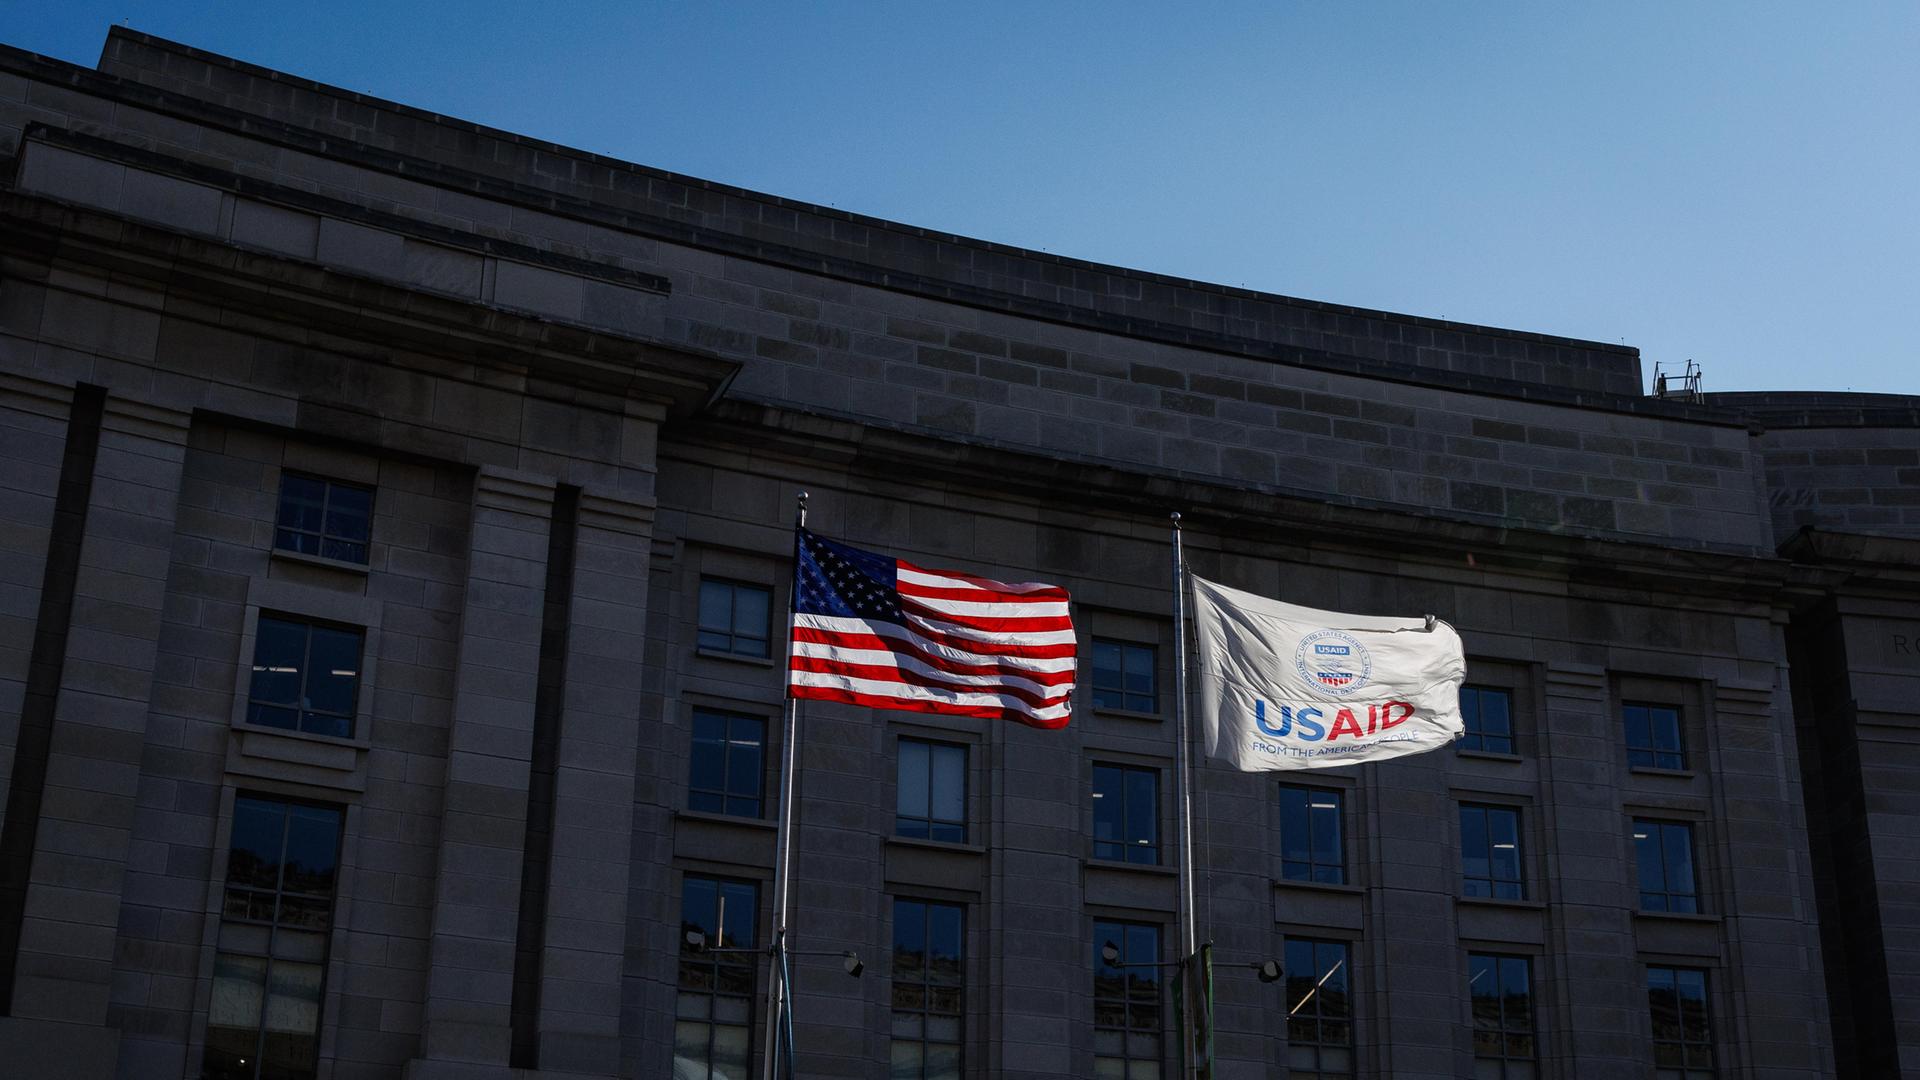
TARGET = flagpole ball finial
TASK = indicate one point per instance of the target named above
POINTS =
(1175, 516)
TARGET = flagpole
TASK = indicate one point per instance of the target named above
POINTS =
(1183, 766)
(778, 998)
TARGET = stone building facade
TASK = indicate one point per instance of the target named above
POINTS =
(398, 518)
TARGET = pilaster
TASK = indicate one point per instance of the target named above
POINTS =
(489, 755)
(586, 928)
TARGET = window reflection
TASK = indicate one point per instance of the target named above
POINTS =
(263, 1018)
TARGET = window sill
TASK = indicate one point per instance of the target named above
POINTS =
(1154, 869)
(297, 757)
(1696, 917)
(1649, 770)
(936, 845)
(1318, 886)
(358, 742)
(1129, 714)
(726, 819)
(737, 658)
(1501, 902)
(1488, 755)
(304, 559)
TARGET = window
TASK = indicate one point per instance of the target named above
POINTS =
(1123, 676)
(1310, 842)
(323, 517)
(1490, 851)
(733, 617)
(263, 1019)
(306, 676)
(1502, 991)
(729, 752)
(1488, 714)
(1665, 854)
(931, 803)
(1653, 736)
(1319, 1009)
(713, 1012)
(1682, 1033)
(929, 990)
(1127, 1024)
(1126, 814)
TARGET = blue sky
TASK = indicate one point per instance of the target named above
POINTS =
(1734, 183)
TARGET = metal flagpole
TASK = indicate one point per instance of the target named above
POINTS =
(1183, 766)
(778, 998)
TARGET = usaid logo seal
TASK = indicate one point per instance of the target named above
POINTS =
(1332, 662)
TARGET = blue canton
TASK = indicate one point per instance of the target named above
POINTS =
(834, 579)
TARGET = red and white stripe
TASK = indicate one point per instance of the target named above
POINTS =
(971, 646)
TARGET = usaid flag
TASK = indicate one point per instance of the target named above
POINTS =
(1290, 687)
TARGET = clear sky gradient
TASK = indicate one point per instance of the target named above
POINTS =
(1736, 183)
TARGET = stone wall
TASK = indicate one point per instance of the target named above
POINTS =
(1529, 448)
(1838, 461)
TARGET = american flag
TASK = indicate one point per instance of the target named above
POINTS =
(870, 630)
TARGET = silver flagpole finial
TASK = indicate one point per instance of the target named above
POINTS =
(1175, 516)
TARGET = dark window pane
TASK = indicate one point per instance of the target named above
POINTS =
(350, 507)
(259, 829)
(750, 612)
(273, 716)
(333, 679)
(324, 517)
(301, 502)
(743, 774)
(1495, 712)
(328, 724)
(301, 542)
(1473, 842)
(1666, 728)
(1295, 835)
(928, 994)
(949, 768)
(726, 764)
(279, 654)
(1682, 1028)
(943, 933)
(914, 794)
(734, 617)
(1325, 816)
(288, 852)
(305, 677)
(1654, 737)
(1142, 815)
(1646, 846)
(716, 606)
(1107, 813)
(313, 847)
(1128, 1014)
(709, 752)
(1503, 1013)
(1124, 676)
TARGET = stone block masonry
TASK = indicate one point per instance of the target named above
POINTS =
(582, 395)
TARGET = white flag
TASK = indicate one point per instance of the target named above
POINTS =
(1289, 687)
